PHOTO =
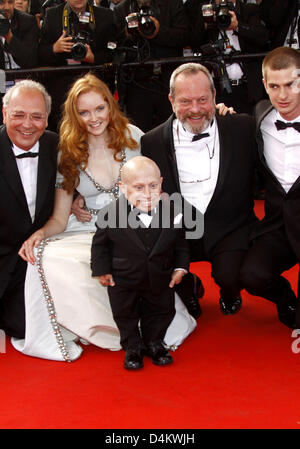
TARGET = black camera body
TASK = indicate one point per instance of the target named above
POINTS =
(4, 24)
(140, 21)
(81, 37)
(218, 14)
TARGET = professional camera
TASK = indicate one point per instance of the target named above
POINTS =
(82, 37)
(218, 14)
(4, 24)
(141, 20)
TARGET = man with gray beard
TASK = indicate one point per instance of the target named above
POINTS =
(210, 160)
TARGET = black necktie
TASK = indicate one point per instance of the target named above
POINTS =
(27, 154)
(283, 125)
(199, 136)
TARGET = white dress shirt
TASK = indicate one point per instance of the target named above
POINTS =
(28, 168)
(197, 164)
(234, 70)
(281, 149)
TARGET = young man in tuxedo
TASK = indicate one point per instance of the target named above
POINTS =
(140, 257)
(276, 239)
(27, 177)
(210, 160)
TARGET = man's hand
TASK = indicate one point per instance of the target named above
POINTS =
(63, 44)
(78, 210)
(234, 21)
(177, 276)
(89, 57)
(106, 280)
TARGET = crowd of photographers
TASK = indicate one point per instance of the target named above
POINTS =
(38, 33)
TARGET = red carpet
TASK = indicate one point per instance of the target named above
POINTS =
(233, 372)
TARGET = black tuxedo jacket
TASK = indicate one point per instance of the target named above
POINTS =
(230, 211)
(24, 43)
(15, 221)
(120, 251)
(281, 208)
(278, 16)
(52, 30)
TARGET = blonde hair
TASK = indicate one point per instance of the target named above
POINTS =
(73, 138)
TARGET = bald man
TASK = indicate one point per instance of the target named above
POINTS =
(135, 252)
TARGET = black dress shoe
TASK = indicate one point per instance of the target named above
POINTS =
(192, 303)
(159, 354)
(288, 317)
(230, 307)
(133, 359)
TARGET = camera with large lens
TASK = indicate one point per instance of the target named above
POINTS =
(82, 37)
(141, 21)
(4, 24)
(218, 14)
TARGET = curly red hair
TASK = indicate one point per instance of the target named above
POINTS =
(73, 136)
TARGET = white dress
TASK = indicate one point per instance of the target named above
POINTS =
(63, 303)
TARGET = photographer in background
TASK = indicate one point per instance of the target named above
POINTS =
(18, 37)
(231, 27)
(75, 32)
(282, 19)
(148, 29)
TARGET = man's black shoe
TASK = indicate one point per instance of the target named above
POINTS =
(230, 307)
(159, 354)
(288, 317)
(192, 303)
(133, 359)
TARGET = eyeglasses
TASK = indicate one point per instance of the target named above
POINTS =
(20, 116)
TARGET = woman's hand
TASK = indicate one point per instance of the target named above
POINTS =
(223, 109)
(78, 210)
(177, 276)
(26, 251)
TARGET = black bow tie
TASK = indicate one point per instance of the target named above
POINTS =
(283, 125)
(27, 154)
(139, 212)
(199, 136)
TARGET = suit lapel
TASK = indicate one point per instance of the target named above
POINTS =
(168, 140)
(123, 208)
(224, 160)
(12, 174)
(262, 110)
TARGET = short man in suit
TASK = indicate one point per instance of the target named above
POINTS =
(276, 239)
(28, 156)
(210, 161)
(140, 261)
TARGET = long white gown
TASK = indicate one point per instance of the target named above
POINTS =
(64, 304)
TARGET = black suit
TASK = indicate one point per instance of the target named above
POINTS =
(52, 29)
(24, 43)
(276, 239)
(230, 211)
(278, 16)
(141, 261)
(16, 224)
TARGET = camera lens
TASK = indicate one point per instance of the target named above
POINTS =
(147, 26)
(223, 18)
(78, 51)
